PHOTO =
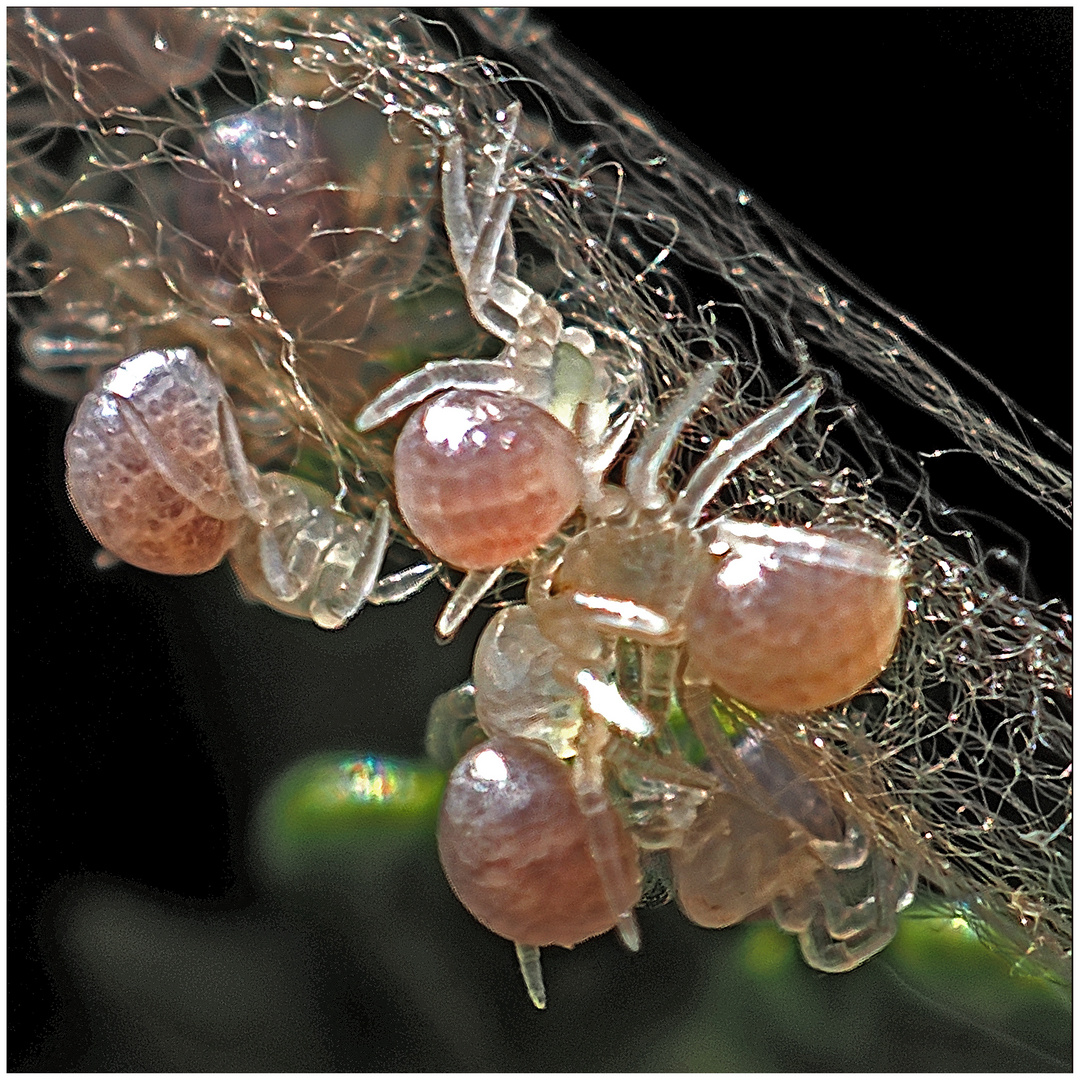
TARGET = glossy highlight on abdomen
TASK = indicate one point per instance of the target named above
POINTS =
(152, 429)
(514, 844)
(483, 479)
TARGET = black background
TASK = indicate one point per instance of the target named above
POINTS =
(928, 151)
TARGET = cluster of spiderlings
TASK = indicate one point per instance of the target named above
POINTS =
(969, 731)
(959, 757)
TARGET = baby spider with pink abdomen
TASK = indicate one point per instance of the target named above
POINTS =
(540, 423)
(529, 837)
(157, 472)
(811, 615)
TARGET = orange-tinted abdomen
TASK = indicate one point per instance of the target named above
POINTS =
(785, 635)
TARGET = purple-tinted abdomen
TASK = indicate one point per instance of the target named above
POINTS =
(514, 846)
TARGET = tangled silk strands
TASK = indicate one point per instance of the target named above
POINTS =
(959, 758)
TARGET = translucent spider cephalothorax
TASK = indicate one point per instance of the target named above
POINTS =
(156, 470)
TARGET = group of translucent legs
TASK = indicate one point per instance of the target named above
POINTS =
(618, 736)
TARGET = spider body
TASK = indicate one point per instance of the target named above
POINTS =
(157, 471)
(627, 576)
(539, 360)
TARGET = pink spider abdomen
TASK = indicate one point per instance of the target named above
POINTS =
(134, 513)
(514, 846)
(484, 479)
(791, 636)
(173, 400)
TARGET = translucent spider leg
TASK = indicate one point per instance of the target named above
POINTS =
(594, 803)
(478, 230)
(596, 464)
(489, 171)
(399, 586)
(434, 378)
(469, 592)
(728, 454)
(463, 214)
(529, 962)
(840, 934)
(645, 468)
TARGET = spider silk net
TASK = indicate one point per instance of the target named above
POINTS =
(958, 760)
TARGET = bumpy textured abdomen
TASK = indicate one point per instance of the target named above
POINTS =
(514, 846)
(789, 636)
(484, 479)
(126, 488)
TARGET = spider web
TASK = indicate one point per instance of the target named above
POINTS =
(959, 759)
